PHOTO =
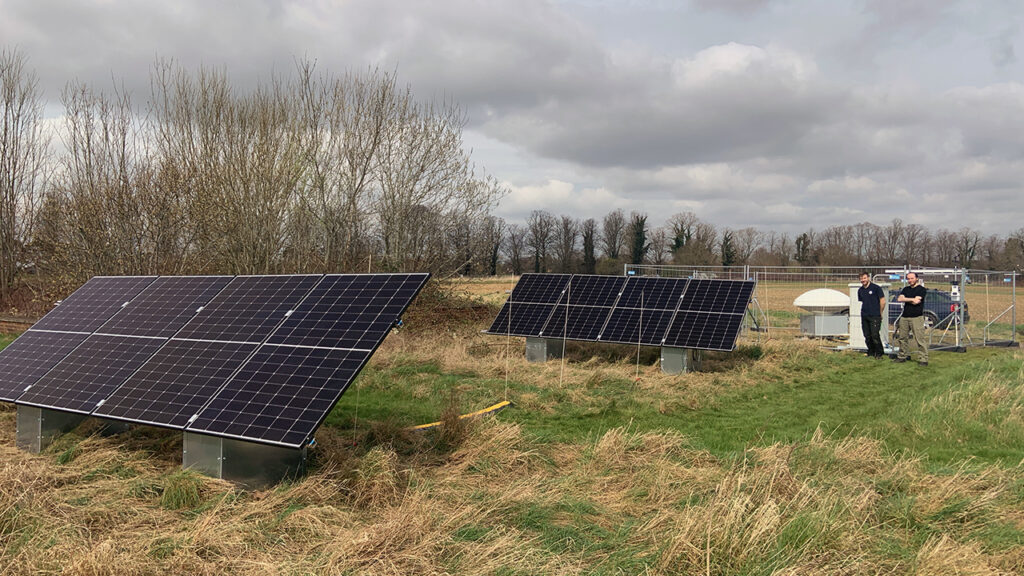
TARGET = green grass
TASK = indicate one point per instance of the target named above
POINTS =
(841, 393)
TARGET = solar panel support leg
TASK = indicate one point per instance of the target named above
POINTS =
(37, 427)
(542, 349)
(248, 463)
(679, 360)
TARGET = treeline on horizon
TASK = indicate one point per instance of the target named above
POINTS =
(315, 173)
(549, 243)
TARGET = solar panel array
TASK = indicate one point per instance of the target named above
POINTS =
(259, 358)
(701, 314)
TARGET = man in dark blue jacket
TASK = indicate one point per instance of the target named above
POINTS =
(872, 302)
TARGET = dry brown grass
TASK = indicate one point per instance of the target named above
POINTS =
(805, 508)
(493, 499)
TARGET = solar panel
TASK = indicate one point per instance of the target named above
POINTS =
(350, 310)
(530, 304)
(644, 310)
(676, 312)
(249, 308)
(281, 395)
(585, 290)
(704, 330)
(576, 322)
(90, 373)
(194, 350)
(635, 326)
(521, 319)
(33, 354)
(165, 306)
(93, 304)
(175, 383)
(539, 288)
(652, 293)
(726, 296)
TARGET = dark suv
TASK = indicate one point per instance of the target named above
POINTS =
(938, 307)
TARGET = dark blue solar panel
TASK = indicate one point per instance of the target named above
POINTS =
(725, 296)
(579, 323)
(93, 304)
(652, 293)
(520, 319)
(633, 326)
(165, 306)
(90, 373)
(586, 290)
(350, 310)
(34, 353)
(539, 288)
(175, 383)
(249, 308)
(704, 330)
(281, 395)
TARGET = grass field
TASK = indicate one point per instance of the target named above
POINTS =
(780, 458)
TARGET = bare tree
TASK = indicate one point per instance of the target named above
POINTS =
(565, 239)
(491, 235)
(24, 148)
(515, 247)
(746, 241)
(541, 226)
(660, 246)
(613, 229)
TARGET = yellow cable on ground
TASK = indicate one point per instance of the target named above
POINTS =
(489, 410)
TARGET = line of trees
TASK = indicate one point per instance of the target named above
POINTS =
(549, 243)
(309, 172)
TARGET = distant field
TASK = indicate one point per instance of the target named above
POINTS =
(779, 458)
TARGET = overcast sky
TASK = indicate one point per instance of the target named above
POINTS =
(778, 114)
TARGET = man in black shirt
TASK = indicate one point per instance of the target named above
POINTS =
(911, 323)
(872, 302)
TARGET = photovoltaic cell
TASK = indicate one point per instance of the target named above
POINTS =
(176, 382)
(281, 395)
(34, 353)
(165, 306)
(90, 373)
(249, 308)
(350, 310)
(93, 304)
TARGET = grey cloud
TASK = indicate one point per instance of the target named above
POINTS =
(1003, 53)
